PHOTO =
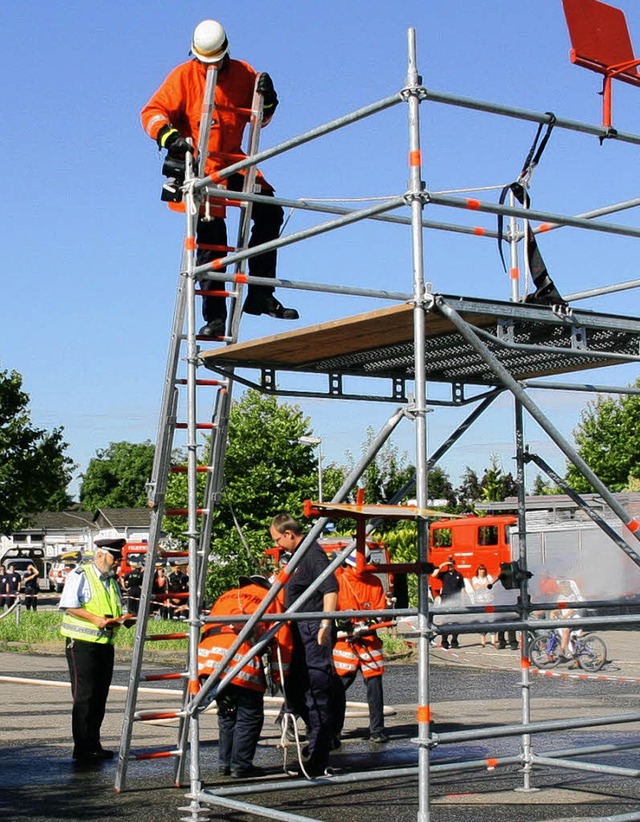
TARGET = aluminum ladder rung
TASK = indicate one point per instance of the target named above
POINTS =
(149, 715)
(165, 677)
(200, 426)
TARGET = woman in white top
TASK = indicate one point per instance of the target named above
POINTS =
(480, 594)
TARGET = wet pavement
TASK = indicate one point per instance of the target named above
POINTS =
(470, 688)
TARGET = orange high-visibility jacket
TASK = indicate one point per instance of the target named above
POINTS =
(178, 102)
(359, 592)
(218, 638)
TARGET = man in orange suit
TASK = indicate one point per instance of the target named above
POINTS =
(241, 703)
(358, 646)
(172, 117)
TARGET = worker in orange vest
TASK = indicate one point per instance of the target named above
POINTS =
(241, 703)
(172, 116)
(358, 646)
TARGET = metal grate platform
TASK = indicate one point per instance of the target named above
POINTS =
(529, 341)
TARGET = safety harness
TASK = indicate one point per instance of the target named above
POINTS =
(546, 292)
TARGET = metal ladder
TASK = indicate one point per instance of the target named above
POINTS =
(199, 515)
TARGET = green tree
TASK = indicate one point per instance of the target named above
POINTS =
(469, 491)
(386, 474)
(543, 487)
(440, 487)
(34, 469)
(116, 477)
(266, 470)
(495, 484)
(608, 439)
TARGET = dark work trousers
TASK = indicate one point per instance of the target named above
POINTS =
(375, 701)
(133, 599)
(267, 222)
(240, 720)
(511, 639)
(90, 669)
(31, 599)
(310, 688)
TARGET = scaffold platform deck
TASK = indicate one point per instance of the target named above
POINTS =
(529, 340)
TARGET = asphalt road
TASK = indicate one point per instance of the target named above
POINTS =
(471, 688)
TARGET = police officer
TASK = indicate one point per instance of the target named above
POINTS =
(13, 581)
(91, 601)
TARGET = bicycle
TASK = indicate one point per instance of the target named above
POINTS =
(588, 650)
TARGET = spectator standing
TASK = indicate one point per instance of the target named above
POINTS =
(361, 647)
(178, 585)
(3, 587)
(91, 602)
(13, 581)
(172, 116)
(133, 587)
(480, 593)
(450, 594)
(31, 587)
(311, 682)
(159, 607)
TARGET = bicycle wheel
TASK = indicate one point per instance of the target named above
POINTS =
(538, 653)
(591, 652)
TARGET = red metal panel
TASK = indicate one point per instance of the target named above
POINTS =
(599, 37)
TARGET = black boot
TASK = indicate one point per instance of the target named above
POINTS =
(214, 329)
(268, 305)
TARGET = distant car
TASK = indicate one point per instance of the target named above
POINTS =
(59, 571)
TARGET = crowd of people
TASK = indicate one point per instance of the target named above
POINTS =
(169, 592)
(13, 584)
(313, 660)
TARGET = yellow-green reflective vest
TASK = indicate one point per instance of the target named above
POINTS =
(102, 602)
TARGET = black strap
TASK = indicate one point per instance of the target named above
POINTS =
(546, 292)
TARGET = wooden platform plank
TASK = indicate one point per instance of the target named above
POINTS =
(380, 343)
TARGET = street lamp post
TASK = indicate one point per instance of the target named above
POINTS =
(312, 441)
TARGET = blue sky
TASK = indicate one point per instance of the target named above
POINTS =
(90, 255)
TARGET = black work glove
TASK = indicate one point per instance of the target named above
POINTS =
(265, 87)
(171, 139)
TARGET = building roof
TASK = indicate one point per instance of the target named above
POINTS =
(122, 517)
(49, 520)
(77, 519)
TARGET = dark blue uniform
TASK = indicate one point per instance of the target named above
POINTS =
(310, 685)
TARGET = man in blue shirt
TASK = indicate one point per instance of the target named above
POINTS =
(310, 684)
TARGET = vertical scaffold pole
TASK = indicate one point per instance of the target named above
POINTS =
(525, 677)
(420, 411)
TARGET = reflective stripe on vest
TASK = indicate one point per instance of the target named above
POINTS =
(349, 656)
(101, 603)
(250, 676)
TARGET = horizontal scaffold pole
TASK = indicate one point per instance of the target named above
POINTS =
(531, 116)
(474, 204)
(314, 231)
(309, 204)
(301, 139)
(300, 285)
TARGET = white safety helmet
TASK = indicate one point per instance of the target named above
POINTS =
(351, 559)
(209, 43)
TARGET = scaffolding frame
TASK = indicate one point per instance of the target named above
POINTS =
(492, 350)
